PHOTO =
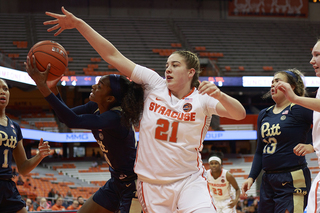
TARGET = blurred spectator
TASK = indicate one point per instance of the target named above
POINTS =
(29, 205)
(27, 184)
(51, 193)
(74, 206)
(98, 155)
(250, 200)
(20, 181)
(239, 207)
(254, 206)
(43, 204)
(68, 199)
(58, 206)
(69, 194)
(81, 201)
(93, 153)
(58, 194)
(36, 203)
(245, 205)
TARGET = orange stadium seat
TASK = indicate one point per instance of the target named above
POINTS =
(241, 68)
(227, 68)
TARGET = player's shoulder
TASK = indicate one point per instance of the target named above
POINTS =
(263, 112)
(300, 110)
(14, 123)
(298, 107)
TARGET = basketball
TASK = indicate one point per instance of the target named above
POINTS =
(46, 52)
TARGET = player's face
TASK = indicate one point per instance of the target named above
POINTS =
(177, 74)
(315, 60)
(100, 90)
(4, 93)
(215, 166)
(277, 95)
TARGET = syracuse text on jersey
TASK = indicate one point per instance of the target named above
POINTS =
(168, 112)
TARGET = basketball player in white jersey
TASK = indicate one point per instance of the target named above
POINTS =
(176, 117)
(313, 205)
(220, 181)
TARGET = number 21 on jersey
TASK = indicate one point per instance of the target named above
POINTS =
(166, 131)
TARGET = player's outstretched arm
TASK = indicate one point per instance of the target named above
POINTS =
(105, 49)
(27, 165)
(227, 107)
(307, 102)
(233, 182)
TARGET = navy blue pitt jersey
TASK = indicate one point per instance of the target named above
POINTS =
(277, 135)
(10, 135)
(117, 142)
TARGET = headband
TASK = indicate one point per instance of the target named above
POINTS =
(214, 158)
(115, 87)
(292, 74)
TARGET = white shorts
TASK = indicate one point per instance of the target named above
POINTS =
(222, 206)
(314, 196)
(183, 196)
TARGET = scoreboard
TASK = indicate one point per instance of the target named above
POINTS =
(244, 81)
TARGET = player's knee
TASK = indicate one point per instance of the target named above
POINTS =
(287, 211)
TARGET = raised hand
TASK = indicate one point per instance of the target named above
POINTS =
(286, 89)
(34, 73)
(40, 78)
(210, 89)
(61, 22)
(44, 148)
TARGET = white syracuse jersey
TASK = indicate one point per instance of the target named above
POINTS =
(316, 130)
(220, 188)
(172, 130)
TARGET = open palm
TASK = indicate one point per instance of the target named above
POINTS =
(61, 22)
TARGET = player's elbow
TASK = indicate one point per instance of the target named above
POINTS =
(239, 116)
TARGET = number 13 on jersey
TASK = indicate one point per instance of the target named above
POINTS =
(166, 131)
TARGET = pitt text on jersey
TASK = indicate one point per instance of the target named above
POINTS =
(268, 133)
(5, 141)
(172, 114)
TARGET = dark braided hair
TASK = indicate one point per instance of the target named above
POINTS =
(132, 101)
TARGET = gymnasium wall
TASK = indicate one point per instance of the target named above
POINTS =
(207, 9)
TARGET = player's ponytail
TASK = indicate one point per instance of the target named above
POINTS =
(132, 101)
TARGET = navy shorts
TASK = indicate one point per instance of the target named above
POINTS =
(10, 199)
(288, 190)
(116, 195)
